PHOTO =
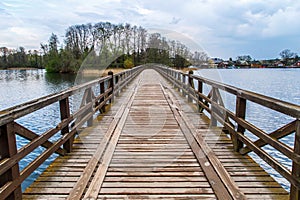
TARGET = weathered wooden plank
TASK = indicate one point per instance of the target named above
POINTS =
(78, 189)
(156, 191)
(207, 159)
(155, 185)
(95, 185)
(160, 196)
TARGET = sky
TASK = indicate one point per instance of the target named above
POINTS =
(222, 28)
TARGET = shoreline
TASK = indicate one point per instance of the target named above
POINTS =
(21, 68)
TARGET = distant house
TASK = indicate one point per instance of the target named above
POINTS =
(217, 60)
(242, 64)
(297, 64)
(256, 64)
(278, 64)
(223, 64)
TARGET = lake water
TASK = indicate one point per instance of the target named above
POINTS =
(19, 86)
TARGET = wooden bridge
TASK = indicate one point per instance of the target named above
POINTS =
(157, 137)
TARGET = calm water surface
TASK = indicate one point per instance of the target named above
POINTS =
(19, 86)
(283, 84)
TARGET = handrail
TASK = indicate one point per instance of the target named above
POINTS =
(236, 123)
(11, 177)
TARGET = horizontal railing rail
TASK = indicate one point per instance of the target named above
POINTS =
(236, 123)
(11, 177)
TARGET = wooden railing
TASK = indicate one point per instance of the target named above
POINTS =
(236, 124)
(11, 177)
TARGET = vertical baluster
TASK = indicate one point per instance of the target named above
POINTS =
(116, 84)
(89, 99)
(295, 192)
(183, 85)
(102, 91)
(241, 113)
(214, 99)
(200, 90)
(111, 85)
(191, 86)
(64, 114)
(8, 148)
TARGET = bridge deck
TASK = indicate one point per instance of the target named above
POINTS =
(153, 144)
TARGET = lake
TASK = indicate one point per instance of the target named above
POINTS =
(19, 86)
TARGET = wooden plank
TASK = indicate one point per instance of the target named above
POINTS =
(225, 188)
(161, 196)
(95, 185)
(82, 182)
(156, 191)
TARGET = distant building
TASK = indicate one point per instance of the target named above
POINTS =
(223, 64)
(297, 64)
(257, 64)
(242, 64)
(278, 64)
(217, 60)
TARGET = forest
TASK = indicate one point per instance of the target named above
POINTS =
(102, 44)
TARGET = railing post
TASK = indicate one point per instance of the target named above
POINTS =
(200, 90)
(111, 85)
(214, 99)
(89, 99)
(191, 85)
(64, 114)
(102, 91)
(240, 113)
(175, 79)
(116, 83)
(183, 85)
(8, 148)
(295, 192)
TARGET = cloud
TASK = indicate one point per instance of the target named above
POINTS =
(175, 20)
(223, 28)
(90, 15)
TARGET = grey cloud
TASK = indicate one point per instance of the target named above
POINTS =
(91, 15)
(175, 20)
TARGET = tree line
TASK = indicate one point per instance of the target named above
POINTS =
(20, 58)
(103, 44)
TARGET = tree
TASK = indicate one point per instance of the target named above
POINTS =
(288, 56)
(246, 58)
(285, 54)
(53, 44)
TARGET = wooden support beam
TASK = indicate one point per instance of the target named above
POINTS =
(65, 114)
(102, 91)
(279, 133)
(191, 85)
(90, 110)
(29, 135)
(200, 90)
(8, 148)
(213, 120)
(240, 113)
(295, 191)
(111, 85)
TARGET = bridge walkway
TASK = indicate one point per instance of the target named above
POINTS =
(153, 144)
